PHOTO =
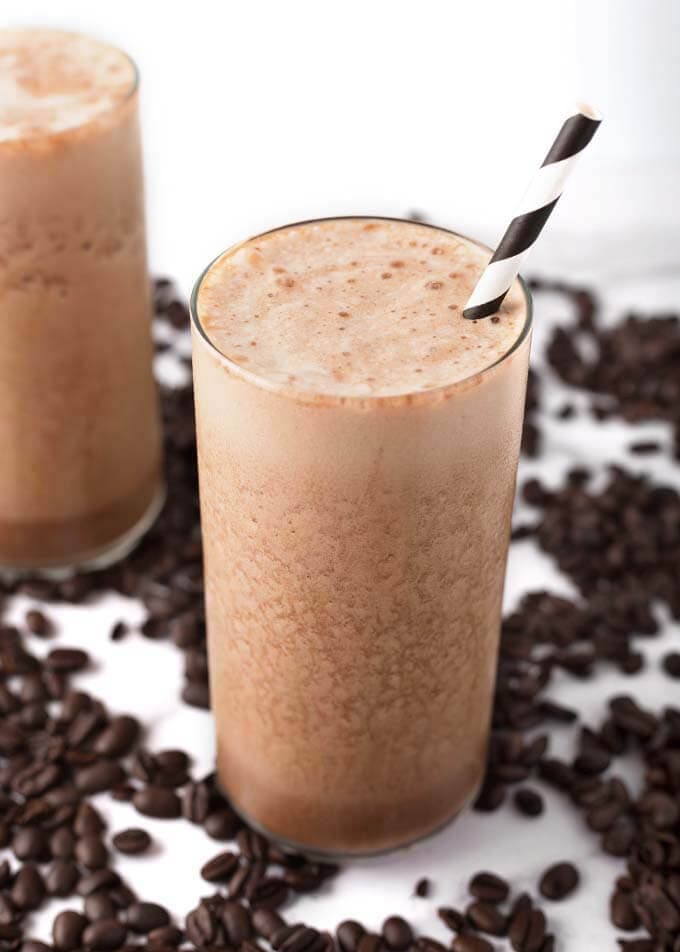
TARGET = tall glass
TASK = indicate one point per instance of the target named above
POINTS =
(80, 443)
(355, 552)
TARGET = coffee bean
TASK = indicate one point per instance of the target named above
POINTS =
(200, 925)
(671, 664)
(104, 935)
(559, 881)
(369, 942)
(99, 777)
(165, 937)
(38, 623)
(29, 888)
(622, 912)
(91, 851)
(266, 922)
(100, 879)
(88, 820)
(471, 943)
(422, 888)
(486, 918)
(99, 905)
(61, 878)
(30, 843)
(62, 843)
(67, 659)
(489, 887)
(490, 797)
(222, 824)
(529, 802)
(349, 934)
(132, 841)
(220, 867)
(143, 917)
(119, 737)
(452, 918)
(157, 802)
(236, 922)
(196, 802)
(67, 931)
(397, 934)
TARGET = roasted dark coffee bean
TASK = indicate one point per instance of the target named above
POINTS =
(196, 802)
(671, 664)
(661, 809)
(490, 797)
(269, 893)
(104, 935)
(28, 890)
(370, 942)
(119, 737)
(222, 824)
(529, 802)
(201, 926)
(252, 844)
(622, 911)
(197, 694)
(165, 937)
(100, 906)
(132, 841)
(471, 943)
(99, 777)
(349, 934)
(158, 802)
(618, 840)
(38, 623)
(422, 888)
(67, 930)
(67, 659)
(142, 917)
(30, 843)
(237, 881)
(452, 918)
(559, 881)
(100, 879)
(88, 820)
(123, 793)
(267, 921)
(61, 877)
(220, 867)
(397, 934)
(62, 843)
(91, 851)
(486, 918)
(236, 922)
(488, 887)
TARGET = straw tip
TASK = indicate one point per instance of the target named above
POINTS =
(589, 111)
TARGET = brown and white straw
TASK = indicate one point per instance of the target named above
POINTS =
(535, 209)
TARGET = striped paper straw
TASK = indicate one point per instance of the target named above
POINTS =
(535, 209)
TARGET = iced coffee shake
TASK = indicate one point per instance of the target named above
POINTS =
(358, 443)
(79, 431)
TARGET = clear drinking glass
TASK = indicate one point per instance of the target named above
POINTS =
(355, 552)
(80, 440)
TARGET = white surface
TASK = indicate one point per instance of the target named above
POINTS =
(143, 677)
(260, 113)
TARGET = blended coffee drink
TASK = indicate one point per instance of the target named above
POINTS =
(358, 443)
(79, 427)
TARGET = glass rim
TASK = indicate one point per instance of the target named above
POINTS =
(130, 92)
(306, 395)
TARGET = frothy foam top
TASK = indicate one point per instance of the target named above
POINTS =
(51, 81)
(355, 307)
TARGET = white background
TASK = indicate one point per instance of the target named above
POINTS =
(256, 113)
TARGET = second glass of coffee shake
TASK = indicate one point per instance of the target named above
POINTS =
(358, 443)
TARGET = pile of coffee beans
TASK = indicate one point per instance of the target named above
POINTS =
(631, 368)
(59, 746)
